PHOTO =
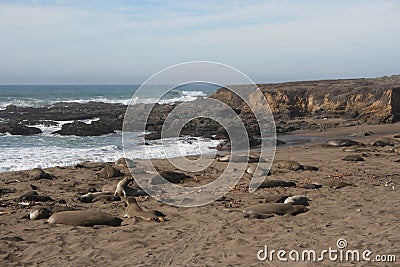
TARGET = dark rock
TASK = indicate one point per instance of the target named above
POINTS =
(18, 129)
(353, 158)
(153, 136)
(4, 191)
(312, 186)
(79, 128)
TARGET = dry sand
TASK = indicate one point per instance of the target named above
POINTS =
(367, 215)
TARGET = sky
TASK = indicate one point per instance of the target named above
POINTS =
(126, 41)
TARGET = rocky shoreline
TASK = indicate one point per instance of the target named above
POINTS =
(295, 105)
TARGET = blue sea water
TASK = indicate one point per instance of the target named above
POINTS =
(48, 150)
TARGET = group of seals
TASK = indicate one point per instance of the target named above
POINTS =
(73, 217)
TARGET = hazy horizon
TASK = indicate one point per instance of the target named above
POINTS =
(125, 42)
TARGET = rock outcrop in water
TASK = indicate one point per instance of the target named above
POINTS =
(18, 129)
(367, 100)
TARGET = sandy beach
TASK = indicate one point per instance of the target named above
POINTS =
(365, 214)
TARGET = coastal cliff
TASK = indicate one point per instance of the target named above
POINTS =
(374, 100)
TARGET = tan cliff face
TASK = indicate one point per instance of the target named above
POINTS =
(374, 100)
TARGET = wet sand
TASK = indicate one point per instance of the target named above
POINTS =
(366, 214)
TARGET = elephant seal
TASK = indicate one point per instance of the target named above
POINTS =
(310, 168)
(27, 194)
(46, 212)
(276, 183)
(334, 183)
(170, 176)
(39, 213)
(311, 186)
(33, 196)
(354, 158)
(125, 163)
(124, 190)
(297, 200)
(260, 171)
(110, 172)
(342, 143)
(385, 141)
(292, 165)
(88, 198)
(276, 208)
(240, 158)
(84, 218)
(133, 210)
(91, 165)
(38, 174)
(337, 184)
(289, 165)
(276, 198)
(106, 198)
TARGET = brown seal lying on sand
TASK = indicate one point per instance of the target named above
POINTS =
(385, 141)
(293, 166)
(240, 158)
(46, 211)
(98, 196)
(297, 200)
(84, 218)
(275, 208)
(276, 183)
(38, 174)
(33, 196)
(334, 183)
(124, 163)
(91, 165)
(133, 210)
(170, 176)
(109, 172)
(342, 143)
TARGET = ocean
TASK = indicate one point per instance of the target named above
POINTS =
(49, 150)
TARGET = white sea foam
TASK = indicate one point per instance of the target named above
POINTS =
(48, 150)
(24, 158)
(181, 96)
